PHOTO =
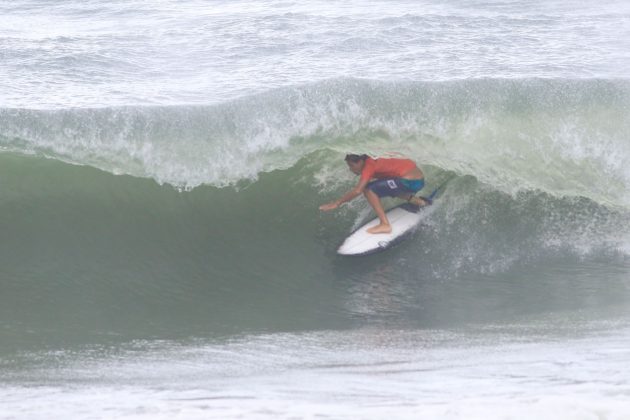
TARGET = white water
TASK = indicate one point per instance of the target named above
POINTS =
(71, 53)
(371, 374)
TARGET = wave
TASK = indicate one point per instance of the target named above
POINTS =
(474, 226)
(562, 137)
(87, 256)
(538, 174)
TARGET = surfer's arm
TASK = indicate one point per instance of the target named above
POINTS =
(350, 195)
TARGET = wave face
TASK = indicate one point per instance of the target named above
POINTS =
(538, 174)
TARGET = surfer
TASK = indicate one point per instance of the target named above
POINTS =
(383, 177)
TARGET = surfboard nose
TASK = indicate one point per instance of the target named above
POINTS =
(346, 248)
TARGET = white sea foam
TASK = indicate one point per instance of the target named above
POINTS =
(86, 54)
(369, 374)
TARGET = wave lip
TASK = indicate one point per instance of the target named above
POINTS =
(564, 137)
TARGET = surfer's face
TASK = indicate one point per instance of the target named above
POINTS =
(356, 167)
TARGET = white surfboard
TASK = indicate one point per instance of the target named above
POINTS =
(403, 219)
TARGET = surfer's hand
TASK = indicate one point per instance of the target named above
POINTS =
(329, 206)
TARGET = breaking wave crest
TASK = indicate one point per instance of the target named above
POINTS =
(563, 137)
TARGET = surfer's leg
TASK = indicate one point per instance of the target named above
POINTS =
(375, 202)
(418, 201)
(413, 186)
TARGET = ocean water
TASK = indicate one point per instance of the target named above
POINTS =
(161, 249)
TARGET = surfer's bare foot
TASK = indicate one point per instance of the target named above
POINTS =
(380, 229)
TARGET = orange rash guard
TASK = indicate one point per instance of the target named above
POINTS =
(386, 168)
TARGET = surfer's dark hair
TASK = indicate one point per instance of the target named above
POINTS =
(355, 158)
